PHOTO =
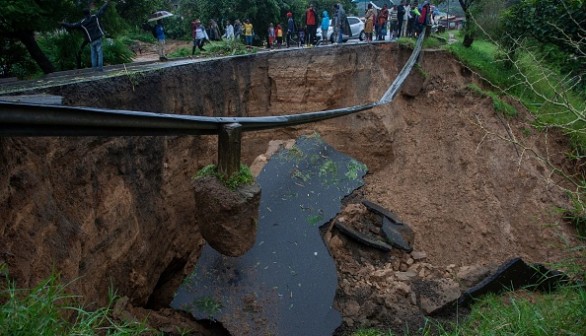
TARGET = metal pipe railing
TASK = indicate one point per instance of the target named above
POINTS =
(22, 119)
(54, 120)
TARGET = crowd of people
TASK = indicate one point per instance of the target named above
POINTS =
(404, 20)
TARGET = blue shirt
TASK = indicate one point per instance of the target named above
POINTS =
(160, 32)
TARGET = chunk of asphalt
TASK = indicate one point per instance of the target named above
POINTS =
(379, 210)
(392, 232)
(511, 275)
(362, 238)
(515, 274)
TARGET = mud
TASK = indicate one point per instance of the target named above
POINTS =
(121, 211)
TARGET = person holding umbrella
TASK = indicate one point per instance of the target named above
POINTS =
(159, 31)
(93, 34)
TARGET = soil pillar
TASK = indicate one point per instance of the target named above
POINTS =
(229, 148)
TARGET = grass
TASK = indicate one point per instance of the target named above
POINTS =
(47, 309)
(527, 313)
(545, 92)
(515, 313)
(180, 52)
(243, 177)
(499, 105)
(215, 49)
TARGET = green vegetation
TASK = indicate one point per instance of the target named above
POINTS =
(216, 49)
(499, 105)
(353, 168)
(227, 48)
(209, 306)
(29, 28)
(181, 52)
(516, 313)
(47, 309)
(371, 332)
(243, 177)
(525, 313)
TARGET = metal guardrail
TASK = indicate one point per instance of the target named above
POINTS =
(20, 119)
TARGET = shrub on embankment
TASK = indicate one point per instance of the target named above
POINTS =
(48, 309)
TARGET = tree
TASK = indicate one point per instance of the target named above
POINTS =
(23, 20)
(20, 19)
(469, 29)
(137, 12)
(558, 27)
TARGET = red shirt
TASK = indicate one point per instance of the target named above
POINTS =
(310, 18)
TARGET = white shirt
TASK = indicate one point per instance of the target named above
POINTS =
(229, 32)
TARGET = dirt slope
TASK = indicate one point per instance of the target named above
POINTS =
(473, 199)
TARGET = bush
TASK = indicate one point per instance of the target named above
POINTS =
(48, 310)
(67, 50)
(15, 61)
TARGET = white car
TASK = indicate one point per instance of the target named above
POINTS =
(356, 27)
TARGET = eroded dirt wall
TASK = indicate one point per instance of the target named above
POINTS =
(104, 211)
(120, 211)
(258, 85)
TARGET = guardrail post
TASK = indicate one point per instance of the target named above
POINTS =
(229, 148)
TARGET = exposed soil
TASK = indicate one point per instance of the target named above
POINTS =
(442, 161)
(472, 197)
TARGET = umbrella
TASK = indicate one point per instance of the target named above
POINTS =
(159, 15)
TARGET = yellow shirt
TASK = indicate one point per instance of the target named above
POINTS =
(248, 29)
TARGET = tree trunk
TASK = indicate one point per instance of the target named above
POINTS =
(468, 31)
(28, 39)
(468, 39)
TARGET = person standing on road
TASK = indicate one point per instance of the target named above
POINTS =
(248, 32)
(272, 36)
(325, 25)
(291, 28)
(382, 19)
(406, 16)
(279, 33)
(369, 26)
(400, 19)
(237, 29)
(93, 34)
(342, 24)
(311, 24)
(160, 32)
(229, 34)
(394, 21)
(199, 34)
